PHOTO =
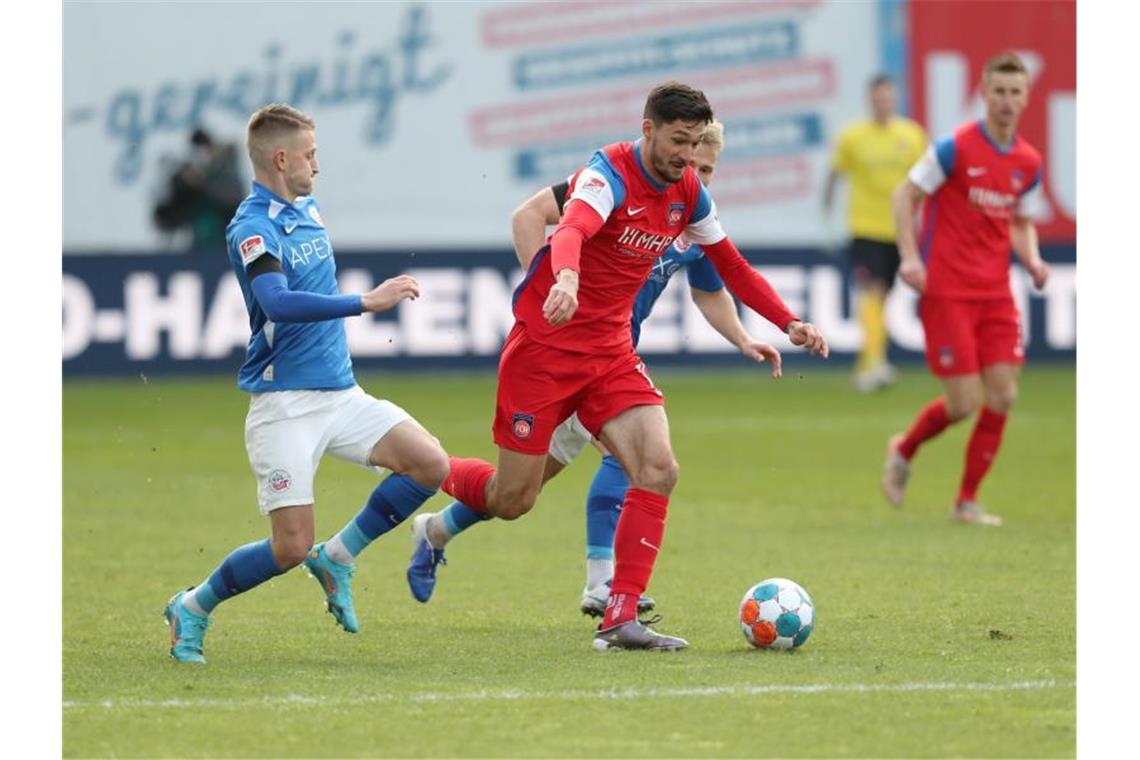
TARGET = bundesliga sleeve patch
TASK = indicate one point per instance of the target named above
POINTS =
(595, 190)
(251, 248)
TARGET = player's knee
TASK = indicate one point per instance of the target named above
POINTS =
(513, 504)
(963, 406)
(659, 476)
(432, 469)
(1001, 399)
(291, 551)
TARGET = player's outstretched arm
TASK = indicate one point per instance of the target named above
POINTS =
(529, 221)
(1023, 238)
(282, 305)
(719, 310)
(904, 206)
(758, 294)
(391, 292)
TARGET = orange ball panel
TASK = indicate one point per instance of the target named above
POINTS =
(750, 612)
(764, 633)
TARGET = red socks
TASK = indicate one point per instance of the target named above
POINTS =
(467, 482)
(640, 529)
(931, 421)
(981, 451)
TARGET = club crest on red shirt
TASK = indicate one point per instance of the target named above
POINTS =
(676, 211)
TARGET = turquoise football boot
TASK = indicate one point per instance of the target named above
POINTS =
(336, 582)
(186, 630)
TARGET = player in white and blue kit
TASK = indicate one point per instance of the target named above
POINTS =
(607, 490)
(304, 399)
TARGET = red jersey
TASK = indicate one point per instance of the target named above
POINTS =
(975, 187)
(641, 220)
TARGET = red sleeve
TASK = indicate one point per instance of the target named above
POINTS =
(748, 285)
(580, 222)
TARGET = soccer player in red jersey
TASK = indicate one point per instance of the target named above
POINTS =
(982, 187)
(571, 348)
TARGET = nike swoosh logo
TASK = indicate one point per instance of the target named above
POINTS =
(651, 546)
(290, 227)
(976, 171)
(635, 211)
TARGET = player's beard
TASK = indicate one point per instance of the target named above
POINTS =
(668, 171)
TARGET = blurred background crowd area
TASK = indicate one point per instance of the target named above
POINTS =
(435, 121)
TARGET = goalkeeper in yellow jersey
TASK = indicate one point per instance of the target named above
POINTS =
(875, 154)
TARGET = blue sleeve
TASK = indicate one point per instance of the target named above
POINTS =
(703, 275)
(600, 163)
(944, 150)
(242, 239)
(280, 304)
(703, 207)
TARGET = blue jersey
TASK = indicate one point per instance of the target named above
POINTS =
(292, 356)
(682, 254)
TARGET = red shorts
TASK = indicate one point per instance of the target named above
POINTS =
(540, 386)
(963, 337)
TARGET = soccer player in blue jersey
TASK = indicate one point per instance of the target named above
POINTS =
(431, 531)
(304, 399)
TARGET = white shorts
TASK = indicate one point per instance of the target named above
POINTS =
(287, 432)
(569, 439)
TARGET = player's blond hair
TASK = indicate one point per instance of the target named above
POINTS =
(713, 136)
(1005, 62)
(271, 123)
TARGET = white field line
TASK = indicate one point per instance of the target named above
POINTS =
(743, 690)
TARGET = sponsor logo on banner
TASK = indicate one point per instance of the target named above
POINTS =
(123, 315)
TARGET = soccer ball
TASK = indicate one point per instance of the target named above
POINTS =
(776, 614)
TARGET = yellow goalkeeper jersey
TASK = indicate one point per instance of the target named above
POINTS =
(876, 159)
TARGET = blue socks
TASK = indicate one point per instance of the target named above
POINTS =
(391, 502)
(603, 506)
(458, 517)
(246, 567)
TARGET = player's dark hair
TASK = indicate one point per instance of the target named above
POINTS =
(1006, 62)
(670, 101)
(879, 80)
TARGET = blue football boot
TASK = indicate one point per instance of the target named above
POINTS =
(336, 582)
(186, 630)
(425, 559)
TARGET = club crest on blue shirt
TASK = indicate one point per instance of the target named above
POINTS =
(676, 211)
(522, 425)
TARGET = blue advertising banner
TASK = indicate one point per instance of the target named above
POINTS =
(184, 314)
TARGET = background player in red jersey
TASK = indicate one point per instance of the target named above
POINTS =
(984, 187)
(571, 350)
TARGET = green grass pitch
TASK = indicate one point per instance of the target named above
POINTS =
(932, 638)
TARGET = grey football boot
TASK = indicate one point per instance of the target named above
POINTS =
(635, 634)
